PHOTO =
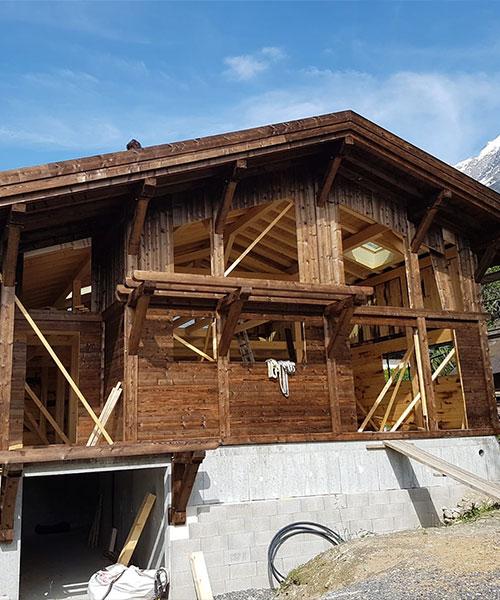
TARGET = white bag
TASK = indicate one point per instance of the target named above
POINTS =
(118, 582)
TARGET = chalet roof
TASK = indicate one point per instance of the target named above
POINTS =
(379, 159)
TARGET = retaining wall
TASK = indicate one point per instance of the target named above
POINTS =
(244, 494)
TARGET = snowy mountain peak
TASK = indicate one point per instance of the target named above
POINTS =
(485, 167)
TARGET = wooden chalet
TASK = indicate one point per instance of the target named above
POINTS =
(178, 270)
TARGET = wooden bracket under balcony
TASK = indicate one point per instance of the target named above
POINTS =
(185, 467)
(139, 300)
(8, 495)
(141, 207)
(230, 308)
(340, 325)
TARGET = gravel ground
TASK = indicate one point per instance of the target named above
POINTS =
(247, 595)
(459, 562)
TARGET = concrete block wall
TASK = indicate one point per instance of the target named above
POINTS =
(244, 495)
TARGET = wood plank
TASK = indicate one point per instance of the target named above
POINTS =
(201, 580)
(479, 484)
(106, 412)
(136, 529)
(45, 412)
(250, 247)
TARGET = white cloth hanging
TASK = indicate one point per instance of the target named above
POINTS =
(280, 369)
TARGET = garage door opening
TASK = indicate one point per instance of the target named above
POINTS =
(67, 527)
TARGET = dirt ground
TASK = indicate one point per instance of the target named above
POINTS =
(455, 562)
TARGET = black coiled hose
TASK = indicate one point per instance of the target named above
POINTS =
(289, 531)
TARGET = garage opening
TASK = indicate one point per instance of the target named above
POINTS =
(75, 524)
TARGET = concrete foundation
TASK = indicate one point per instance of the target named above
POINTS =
(243, 495)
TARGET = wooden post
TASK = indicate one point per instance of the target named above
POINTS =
(12, 237)
(217, 270)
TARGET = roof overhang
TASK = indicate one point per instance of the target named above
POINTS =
(380, 159)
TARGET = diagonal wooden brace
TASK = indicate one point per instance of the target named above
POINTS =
(185, 467)
(230, 307)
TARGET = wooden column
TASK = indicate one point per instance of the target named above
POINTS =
(416, 300)
(217, 270)
(12, 235)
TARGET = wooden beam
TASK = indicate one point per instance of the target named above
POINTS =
(12, 236)
(195, 349)
(332, 170)
(32, 424)
(7, 319)
(230, 311)
(45, 412)
(228, 195)
(185, 466)
(62, 452)
(141, 207)
(486, 260)
(139, 301)
(427, 219)
(372, 232)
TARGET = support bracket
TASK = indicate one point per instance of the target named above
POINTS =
(185, 467)
(231, 307)
(139, 301)
(340, 326)
(8, 495)
(427, 219)
(141, 207)
(231, 183)
(332, 170)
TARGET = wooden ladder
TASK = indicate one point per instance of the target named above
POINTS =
(245, 349)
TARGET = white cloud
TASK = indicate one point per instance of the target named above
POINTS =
(247, 66)
(448, 115)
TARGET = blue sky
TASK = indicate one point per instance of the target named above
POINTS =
(81, 78)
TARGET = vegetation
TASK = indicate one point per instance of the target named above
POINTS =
(490, 295)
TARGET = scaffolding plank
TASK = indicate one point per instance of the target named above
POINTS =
(490, 488)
